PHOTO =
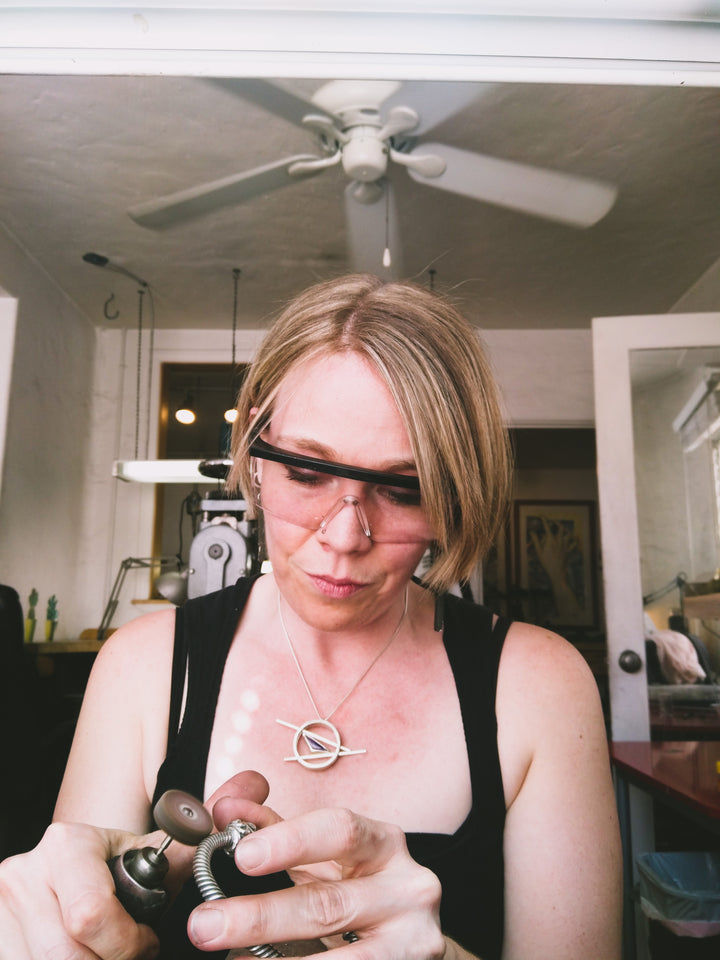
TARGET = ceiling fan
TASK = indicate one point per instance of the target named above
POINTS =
(371, 128)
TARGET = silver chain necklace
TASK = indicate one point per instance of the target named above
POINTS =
(322, 749)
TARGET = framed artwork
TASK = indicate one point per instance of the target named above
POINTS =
(555, 562)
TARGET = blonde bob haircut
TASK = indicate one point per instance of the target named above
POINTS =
(436, 369)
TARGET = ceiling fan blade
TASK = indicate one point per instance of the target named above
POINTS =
(208, 197)
(564, 197)
(372, 228)
(271, 97)
(434, 100)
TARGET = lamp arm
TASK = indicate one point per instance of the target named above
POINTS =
(128, 563)
(112, 603)
(678, 582)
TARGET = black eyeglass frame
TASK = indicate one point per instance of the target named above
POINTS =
(266, 451)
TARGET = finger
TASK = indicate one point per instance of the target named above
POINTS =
(232, 808)
(249, 785)
(13, 945)
(359, 844)
(369, 905)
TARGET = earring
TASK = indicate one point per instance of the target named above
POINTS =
(439, 611)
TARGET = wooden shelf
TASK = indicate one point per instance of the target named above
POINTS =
(705, 606)
(64, 646)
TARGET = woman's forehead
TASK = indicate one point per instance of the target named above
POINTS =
(340, 400)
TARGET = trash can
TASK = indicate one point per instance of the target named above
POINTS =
(680, 896)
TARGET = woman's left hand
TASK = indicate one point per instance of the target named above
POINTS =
(350, 873)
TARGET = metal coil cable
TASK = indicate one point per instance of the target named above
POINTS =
(208, 886)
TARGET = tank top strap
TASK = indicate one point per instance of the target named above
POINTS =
(474, 645)
(204, 631)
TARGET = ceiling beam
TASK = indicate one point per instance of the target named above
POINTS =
(613, 42)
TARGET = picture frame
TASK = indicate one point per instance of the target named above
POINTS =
(556, 562)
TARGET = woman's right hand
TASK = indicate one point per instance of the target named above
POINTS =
(58, 901)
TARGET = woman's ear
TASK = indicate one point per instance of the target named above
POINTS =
(253, 413)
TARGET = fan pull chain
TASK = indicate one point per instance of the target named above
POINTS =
(387, 259)
(236, 277)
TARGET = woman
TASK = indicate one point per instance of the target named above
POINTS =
(414, 746)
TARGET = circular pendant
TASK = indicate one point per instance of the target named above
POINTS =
(320, 751)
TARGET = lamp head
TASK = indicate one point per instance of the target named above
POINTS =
(96, 259)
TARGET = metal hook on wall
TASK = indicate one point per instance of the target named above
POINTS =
(110, 316)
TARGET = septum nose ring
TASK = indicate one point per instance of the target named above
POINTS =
(344, 502)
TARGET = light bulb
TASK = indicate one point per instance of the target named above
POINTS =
(230, 415)
(184, 415)
(387, 259)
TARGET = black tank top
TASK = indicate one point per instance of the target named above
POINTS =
(469, 863)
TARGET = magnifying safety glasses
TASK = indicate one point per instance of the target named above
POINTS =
(310, 492)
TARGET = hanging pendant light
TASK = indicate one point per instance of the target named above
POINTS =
(230, 415)
(185, 414)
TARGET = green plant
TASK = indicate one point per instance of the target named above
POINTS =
(52, 613)
(32, 601)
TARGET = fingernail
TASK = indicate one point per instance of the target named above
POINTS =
(206, 924)
(251, 853)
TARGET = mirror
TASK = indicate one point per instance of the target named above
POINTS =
(658, 504)
(676, 425)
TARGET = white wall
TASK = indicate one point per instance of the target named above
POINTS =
(8, 317)
(546, 376)
(48, 413)
(662, 514)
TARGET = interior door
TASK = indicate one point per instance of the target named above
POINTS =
(622, 346)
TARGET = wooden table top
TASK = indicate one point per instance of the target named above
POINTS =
(685, 771)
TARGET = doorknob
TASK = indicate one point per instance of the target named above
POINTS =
(630, 661)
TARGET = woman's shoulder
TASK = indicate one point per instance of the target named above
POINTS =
(546, 696)
(542, 673)
(531, 651)
(144, 643)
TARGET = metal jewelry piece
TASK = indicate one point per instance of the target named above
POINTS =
(323, 751)
(208, 886)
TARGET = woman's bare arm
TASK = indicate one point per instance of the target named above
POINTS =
(562, 849)
(122, 731)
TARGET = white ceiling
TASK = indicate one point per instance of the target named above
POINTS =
(78, 151)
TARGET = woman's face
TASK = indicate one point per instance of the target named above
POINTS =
(337, 408)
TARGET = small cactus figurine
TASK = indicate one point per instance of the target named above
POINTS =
(51, 618)
(31, 619)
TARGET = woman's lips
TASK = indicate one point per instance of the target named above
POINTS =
(331, 587)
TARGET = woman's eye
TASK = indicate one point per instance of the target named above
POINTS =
(310, 478)
(401, 497)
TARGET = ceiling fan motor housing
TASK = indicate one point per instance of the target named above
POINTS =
(364, 156)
